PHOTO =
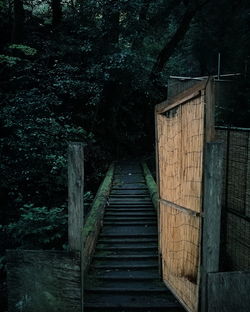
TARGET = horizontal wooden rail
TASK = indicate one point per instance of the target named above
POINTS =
(180, 208)
(94, 219)
(181, 98)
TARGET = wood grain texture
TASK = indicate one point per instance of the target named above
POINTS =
(210, 110)
(75, 195)
(43, 281)
(213, 175)
(177, 86)
(152, 187)
(94, 219)
(212, 206)
(182, 97)
(248, 178)
(228, 292)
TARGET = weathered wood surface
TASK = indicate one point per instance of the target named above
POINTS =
(94, 219)
(185, 123)
(178, 85)
(236, 198)
(181, 98)
(43, 281)
(212, 206)
(237, 249)
(152, 187)
(228, 292)
(75, 194)
(210, 110)
(181, 133)
(213, 175)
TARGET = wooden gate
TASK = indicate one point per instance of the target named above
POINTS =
(183, 126)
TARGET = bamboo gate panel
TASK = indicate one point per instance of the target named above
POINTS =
(181, 136)
(236, 198)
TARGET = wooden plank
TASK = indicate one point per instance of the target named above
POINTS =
(75, 195)
(158, 189)
(176, 86)
(228, 292)
(152, 187)
(94, 219)
(247, 203)
(181, 101)
(181, 98)
(210, 111)
(43, 281)
(213, 174)
(180, 208)
(232, 128)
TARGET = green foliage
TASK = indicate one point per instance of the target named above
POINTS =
(26, 50)
(39, 227)
(9, 60)
(1, 4)
(2, 263)
(38, 147)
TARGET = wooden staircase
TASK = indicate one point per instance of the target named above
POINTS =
(123, 275)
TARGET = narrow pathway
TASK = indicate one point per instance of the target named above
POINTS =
(124, 272)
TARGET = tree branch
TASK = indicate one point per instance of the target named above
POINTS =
(170, 46)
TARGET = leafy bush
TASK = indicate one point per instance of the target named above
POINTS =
(9, 60)
(39, 227)
(26, 50)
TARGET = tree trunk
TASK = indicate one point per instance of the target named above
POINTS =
(56, 7)
(18, 24)
(170, 47)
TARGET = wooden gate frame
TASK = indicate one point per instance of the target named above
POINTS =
(212, 178)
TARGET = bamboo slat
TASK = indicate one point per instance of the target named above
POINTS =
(237, 171)
(180, 241)
(181, 141)
(236, 199)
(238, 243)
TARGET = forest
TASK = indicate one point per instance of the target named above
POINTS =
(92, 71)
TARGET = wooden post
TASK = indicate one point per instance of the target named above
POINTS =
(212, 214)
(75, 195)
(158, 193)
(75, 203)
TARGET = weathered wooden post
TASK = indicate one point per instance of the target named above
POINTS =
(212, 214)
(75, 195)
(75, 202)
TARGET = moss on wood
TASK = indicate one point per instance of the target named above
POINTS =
(150, 184)
(94, 220)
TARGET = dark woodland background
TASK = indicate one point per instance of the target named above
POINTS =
(92, 71)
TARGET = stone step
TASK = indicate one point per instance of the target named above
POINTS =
(130, 223)
(132, 300)
(130, 214)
